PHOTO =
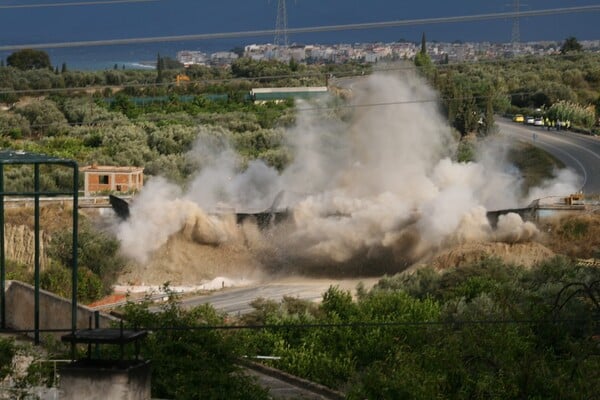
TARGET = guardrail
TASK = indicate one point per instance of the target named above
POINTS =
(83, 202)
(588, 262)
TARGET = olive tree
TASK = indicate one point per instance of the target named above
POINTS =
(29, 59)
(44, 117)
(13, 126)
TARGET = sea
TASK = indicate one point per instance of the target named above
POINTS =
(65, 26)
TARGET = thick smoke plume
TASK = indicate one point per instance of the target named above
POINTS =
(379, 186)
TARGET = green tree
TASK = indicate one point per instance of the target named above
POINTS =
(7, 352)
(170, 63)
(160, 67)
(422, 59)
(44, 117)
(98, 254)
(565, 110)
(14, 126)
(58, 280)
(191, 363)
(29, 59)
(570, 45)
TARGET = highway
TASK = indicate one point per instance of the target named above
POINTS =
(578, 152)
(581, 153)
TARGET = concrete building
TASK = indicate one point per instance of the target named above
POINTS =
(223, 58)
(279, 94)
(188, 57)
(112, 179)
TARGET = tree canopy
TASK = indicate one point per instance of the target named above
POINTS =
(570, 44)
(29, 59)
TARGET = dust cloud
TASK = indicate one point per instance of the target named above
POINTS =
(374, 191)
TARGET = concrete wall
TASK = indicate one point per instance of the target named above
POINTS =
(101, 381)
(55, 311)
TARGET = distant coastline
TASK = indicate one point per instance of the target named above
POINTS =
(144, 56)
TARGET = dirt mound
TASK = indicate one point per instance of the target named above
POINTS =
(184, 262)
(525, 254)
(575, 236)
(53, 217)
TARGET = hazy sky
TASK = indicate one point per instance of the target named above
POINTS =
(177, 17)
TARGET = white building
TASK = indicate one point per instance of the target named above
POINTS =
(188, 57)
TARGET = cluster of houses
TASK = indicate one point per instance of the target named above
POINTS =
(375, 52)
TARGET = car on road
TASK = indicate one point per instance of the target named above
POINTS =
(529, 120)
(519, 118)
(539, 122)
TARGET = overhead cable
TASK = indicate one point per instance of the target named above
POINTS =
(321, 28)
(315, 74)
(356, 324)
(70, 4)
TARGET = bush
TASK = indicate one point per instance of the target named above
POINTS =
(58, 280)
(577, 114)
(18, 272)
(13, 126)
(44, 117)
(98, 254)
(7, 352)
(191, 363)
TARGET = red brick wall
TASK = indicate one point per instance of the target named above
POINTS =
(120, 179)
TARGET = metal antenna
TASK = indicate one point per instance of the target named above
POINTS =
(281, 38)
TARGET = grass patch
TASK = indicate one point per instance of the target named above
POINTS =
(535, 164)
(574, 236)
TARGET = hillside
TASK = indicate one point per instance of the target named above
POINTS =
(184, 260)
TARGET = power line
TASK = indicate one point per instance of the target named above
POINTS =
(103, 123)
(357, 324)
(81, 3)
(322, 28)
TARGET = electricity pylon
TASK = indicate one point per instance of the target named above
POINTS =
(281, 38)
(516, 32)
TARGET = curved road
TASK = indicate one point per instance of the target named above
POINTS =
(237, 301)
(578, 152)
(581, 153)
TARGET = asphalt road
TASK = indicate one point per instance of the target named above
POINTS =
(237, 301)
(578, 152)
(581, 153)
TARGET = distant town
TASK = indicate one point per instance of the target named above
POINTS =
(439, 52)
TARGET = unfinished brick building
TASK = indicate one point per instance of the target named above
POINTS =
(105, 179)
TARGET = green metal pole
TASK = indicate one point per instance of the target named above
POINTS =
(36, 270)
(2, 256)
(75, 246)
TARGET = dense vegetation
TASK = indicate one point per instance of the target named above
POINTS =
(99, 261)
(478, 332)
(124, 117)
(483, 331)
(564, 87)
(192, 363)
